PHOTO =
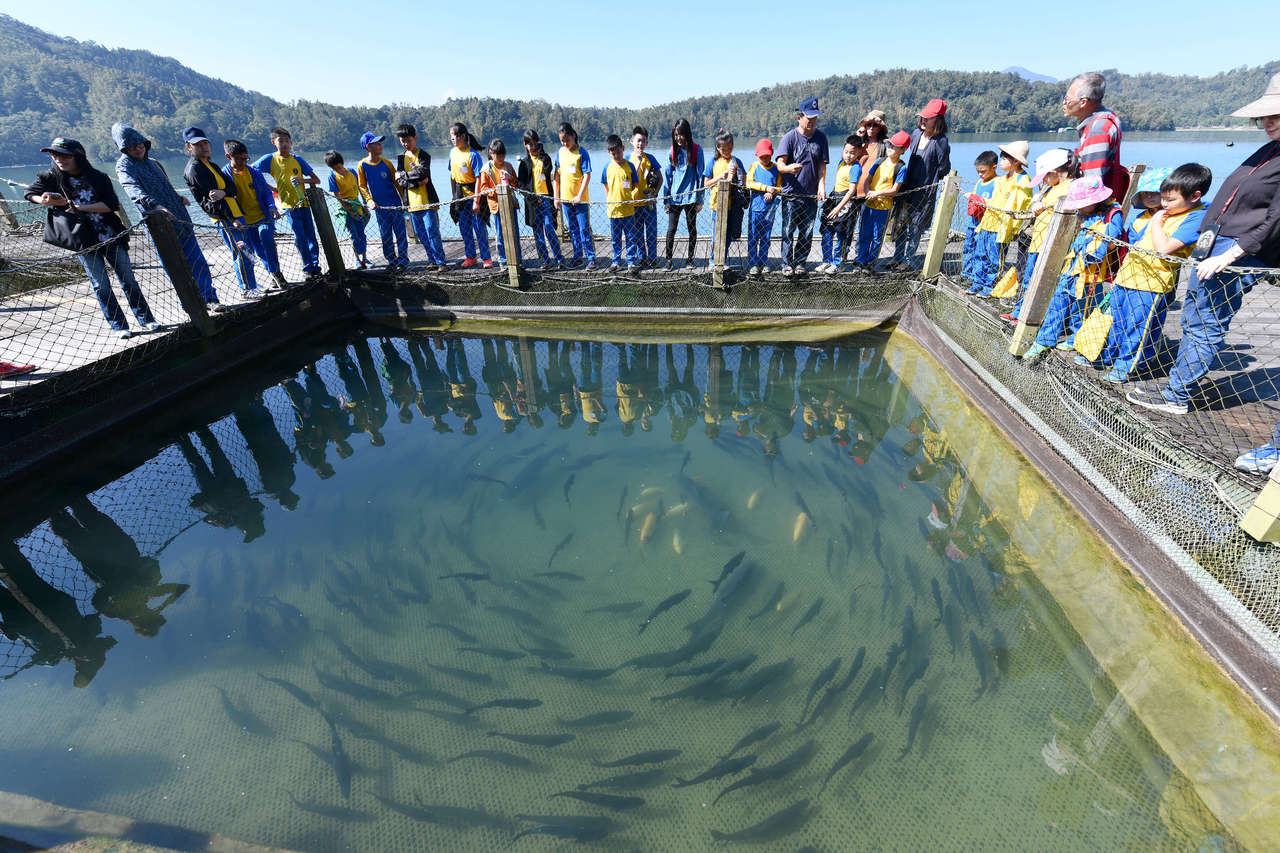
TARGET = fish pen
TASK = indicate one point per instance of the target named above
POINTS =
(652, 559)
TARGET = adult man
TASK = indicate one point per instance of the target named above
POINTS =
(802, 160)
(1100, 134)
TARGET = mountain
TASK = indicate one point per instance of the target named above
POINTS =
(52, 86)
(1029, 76)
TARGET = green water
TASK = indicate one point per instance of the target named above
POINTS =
(297, 525)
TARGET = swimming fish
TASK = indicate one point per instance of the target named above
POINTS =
(579, 673)
(1000, 652)
(626, 531)
(622, 499)
(677, 544)
(917, 714)
(603, 718)
(651, 756)
(776, 825)
(520, 704)
(456, 633)
(849, 755)
(504, 758)
(912, 572)
(664, 606)
(560, 576)
(534, 740)
(915, 675)
(608, 801)
(723, 767)
(801, 526)
(242, 718)
(500, 654)
(629, 781)
(951, 621)
(466, 576)
(676, 511)
(937, 599)
(568, 484)
(647, 527)
(547, 652)
(804, 507)
(560, 547)
(754, 500)
(700, 669)
(876, 544)
(342, 813)
(292, 689)
(848, 540)
(772, 602)
(463, 674)
(727, 570)
(620, 607)
(339, 760)
(826, 675)
(981, 661)
(831, 697)
(808, 616)
(578, 828)
(873, 686)
(772, 772)
(762, 678)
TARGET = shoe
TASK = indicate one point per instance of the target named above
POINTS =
(467, 264)
(7, 369)
(1034, 351)
(364, 264)
(124, 334)
(215, 308)
(153, 326)
(1082, 361)
(800, 269)
(973, 290)
(279, 280)
(832, 269)
(633, 269)
(1260, 460)
(589, 266)
(1151, 397)
(251, 294)
(1010, 319)
(613, 268)
(487, 265)
(787, 271)
(753, 271)
(670, 264)
(1065, 346)
(1115, 377)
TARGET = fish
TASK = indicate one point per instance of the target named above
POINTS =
(772, 602)
(487, 651)
(666, 604)
(912, 571)
(772, 772)
(482, 478)
(700, 669)
(355, 689)
(515, 614)
(843, 761)
(463, 674)
(434, 695)
(339, 760)
(518, 704)
(709, 688)
(650, 756)
(650, 491)
(971, 595)
(547, 652)
(873, 686)
(560, 576)
(467, 592)
(917, 714)
(677, 544)
(694, 646)
(780, 823)
(802, 525)
(831, 697)
(1000, 652)
(754, 500)
(953, 581)
(951, 621)
(466, 576)
(831, 550)
(456, 633)
(607, 801)
(808, 616)
(504, 758)
(908, 630)
(626, 528)
(578, 828)
(459, 816)
(242, 718)
(738, 664)
(620, 607)
(290, 615)
(762, 678)
(727, 570)
(537, 516)
(568, 484)
(890, 661)
(579, 673)
(915, 675)
(534, 740)
(375, 669)
(804, 507)
(848, 540)
(826, 675)
(980, 660)
(723, 767)
(688, 454)
(622, 500)
(559, 547)
(647, 527)
(603, 718)
(937, 599)
(292, 689)
(752, 737)
(341, 813)
(629, 781)
(676, 511)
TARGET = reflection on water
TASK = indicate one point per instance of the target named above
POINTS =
(653, 596)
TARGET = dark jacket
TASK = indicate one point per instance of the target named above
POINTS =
(74, 231)
(930, 167)
(202, 182)
(1252, 217)
(416, 176)
(524, 180)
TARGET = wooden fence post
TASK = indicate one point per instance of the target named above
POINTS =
(510, 233)
(720, 238)
(324, 231)
(529, 370)
(6, 213)
(1262, 521)
(1135, 175)
(179, 271)
(1044, 278)
(941, 230)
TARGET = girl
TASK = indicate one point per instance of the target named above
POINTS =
(684, 171)
(534, 177)
(465, 166)
(572, 175)
(724, 169)
(1055, 169)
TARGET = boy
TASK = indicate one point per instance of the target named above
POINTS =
(413, 175)
(291, 174)
(764, 183)
(498, 171)
(1140, 298)
(1011, 191)
(840, 210)
(464, 167)
(620, 181)
(645, 220)
(352, 214)
(985, 165)
(886, 177)
(256, 206)
(376, 178)
(1054, 169)
(217, 198)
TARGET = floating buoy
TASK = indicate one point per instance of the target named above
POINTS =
(754, 500)
(801, 527)
(646, 529)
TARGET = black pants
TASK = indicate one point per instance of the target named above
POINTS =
(673, 222)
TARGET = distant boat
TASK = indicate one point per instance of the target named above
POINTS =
(1230, 144)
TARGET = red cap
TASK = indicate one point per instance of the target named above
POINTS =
(936, 107)
(901, 139)
(763, 147)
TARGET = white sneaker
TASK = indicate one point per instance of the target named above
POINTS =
(124, 334)
(153, 326)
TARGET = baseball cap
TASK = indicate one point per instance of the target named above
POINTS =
(936, 107)
(63, 145)
(1054, 158)
(764, 146)
(901, 139)
(369, 136)
(809, 107)
(194, 134)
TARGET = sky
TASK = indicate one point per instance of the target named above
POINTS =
(425, 51)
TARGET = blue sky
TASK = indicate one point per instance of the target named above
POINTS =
(624, 55)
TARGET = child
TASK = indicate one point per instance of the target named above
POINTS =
(217, 198)
(291, 174)
(464, 166)
(352, 214)
(648, 189)
(724, 168)
(413, 175)
(572, 176)
(885, 179)
(764, 182)
(1012, 191)
(985, 165)
(534, 178)
(1054, 170)
(257, 208)
(498, 171)
(839, 212)
(1140, 298)
(376, 178)
(684, 187)
(620, 181)
(1084, 266)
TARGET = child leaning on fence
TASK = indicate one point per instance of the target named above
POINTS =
(1012, 192)
(497, 172)
(292, 175)
(217, 198)
(840, 210)
(352, 214)
(886, 177)
(985, 167)
(764, 182)
(1140, 298)
(727, 170)
(1054, 170)
(257, 206)
(376, 178)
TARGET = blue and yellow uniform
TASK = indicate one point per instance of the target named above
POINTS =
(760, 180)
(377, 181)
(352, 213)
(465, 166)
(838, 234)
(257, 207)
(997, 229)
(718, 167)
(968, 254)
(1083, 268)
(573, 169)
(885, 174)
(285, 170)
(649, 185)
(621, 183)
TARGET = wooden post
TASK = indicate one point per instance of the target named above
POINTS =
(943, 210)
(1135, 175)
(324, 231)
(720, 239)
(510, 233)
(529, 370)
(6, 213)
(175, 264)
(1044, 278)
(1262, 521)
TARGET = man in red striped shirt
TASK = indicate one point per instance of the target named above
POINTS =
(1100, 134)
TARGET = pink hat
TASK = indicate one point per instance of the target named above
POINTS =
(936, 107)
(763, 147)
(901, 139)
(1084, 192)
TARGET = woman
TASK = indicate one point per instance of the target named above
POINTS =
(684, 187)
(929, 161)
(83, 217)
(873, 132)
(1241, 229)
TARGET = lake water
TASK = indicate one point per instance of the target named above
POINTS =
(386, 593)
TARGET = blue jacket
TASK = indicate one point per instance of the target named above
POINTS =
(684, 177)
(145, 181)
(266, 200)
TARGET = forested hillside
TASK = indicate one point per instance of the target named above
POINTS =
(51, 85)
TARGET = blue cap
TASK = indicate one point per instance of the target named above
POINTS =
(194, 134)
(809, 106)
(369, 136)
(1152, 178)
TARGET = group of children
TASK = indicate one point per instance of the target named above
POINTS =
(1139, 261)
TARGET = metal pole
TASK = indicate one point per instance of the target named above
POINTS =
(941, 231)
(175, 264)
(1057, 239)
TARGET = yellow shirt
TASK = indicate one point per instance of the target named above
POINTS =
(882, 179)
(541, 182)
(463, 166)
(758, 173)
(592, 403)
(248, 199)
(620, 188)
(628, 403)
(719, 166)
(346, 185)
(571, 175)
(418, 196)
(645, 175)
(1012, 191)
(1147, 272)
(842, 178)
(283, 170)
(1040, 226)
